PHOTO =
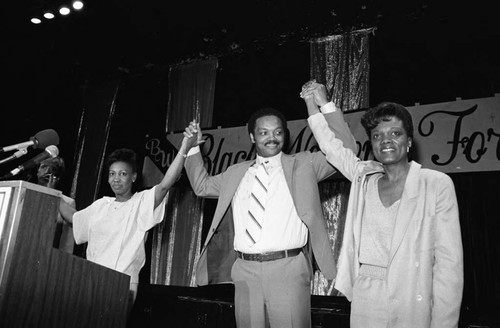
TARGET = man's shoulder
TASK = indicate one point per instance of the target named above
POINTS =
(239, 165)
(304, 155)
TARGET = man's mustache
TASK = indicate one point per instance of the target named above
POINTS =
(272, 142)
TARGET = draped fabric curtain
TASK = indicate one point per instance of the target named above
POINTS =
(95, 123)
(341, 63)
(191, 94)
(176, 241)
(92, 139)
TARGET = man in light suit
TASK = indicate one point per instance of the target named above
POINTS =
(272, 272)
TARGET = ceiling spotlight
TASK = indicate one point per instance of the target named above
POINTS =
(36, 21)
(48, 15)
(77, 5)
(64, 11)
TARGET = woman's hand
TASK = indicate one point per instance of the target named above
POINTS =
(314, 90)
(192, 136)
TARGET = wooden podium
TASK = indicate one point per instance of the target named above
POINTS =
(41, 286)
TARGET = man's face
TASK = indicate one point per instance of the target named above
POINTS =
(45, 174)
(268, 136)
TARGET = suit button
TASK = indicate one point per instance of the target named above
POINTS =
(419, 298)
(417, 264)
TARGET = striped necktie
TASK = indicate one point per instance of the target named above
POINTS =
(257, 206)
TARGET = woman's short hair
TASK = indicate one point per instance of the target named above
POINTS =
(123, 155)
(384, 112)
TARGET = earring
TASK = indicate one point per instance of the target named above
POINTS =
(408, 149)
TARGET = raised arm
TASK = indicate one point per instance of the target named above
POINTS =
(175, 168)
(203, 184)
(315, 97)
(330, 130)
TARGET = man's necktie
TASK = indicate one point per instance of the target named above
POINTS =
(257, 206)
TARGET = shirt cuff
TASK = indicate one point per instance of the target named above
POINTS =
(316, 119)
(329, 107)
(193, 151)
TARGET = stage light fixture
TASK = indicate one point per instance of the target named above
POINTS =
(77, 5)
(64, 11)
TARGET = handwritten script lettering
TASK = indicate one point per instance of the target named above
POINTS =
(473, 146)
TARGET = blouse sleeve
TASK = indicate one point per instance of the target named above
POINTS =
(448, 279)
(81, 223)
(342, 158)
(148, 216)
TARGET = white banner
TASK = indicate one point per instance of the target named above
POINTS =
(458, 136)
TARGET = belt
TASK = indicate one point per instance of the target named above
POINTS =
(271, 256)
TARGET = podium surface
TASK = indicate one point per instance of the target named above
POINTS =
(41, 286)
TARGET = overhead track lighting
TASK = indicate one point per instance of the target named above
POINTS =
(63, 11)
(77, 5)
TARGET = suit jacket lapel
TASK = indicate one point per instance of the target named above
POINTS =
(288, 163)
(406, 208)
(234, 179)
(227, 194)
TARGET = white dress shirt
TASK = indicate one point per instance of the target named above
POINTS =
(282, 228)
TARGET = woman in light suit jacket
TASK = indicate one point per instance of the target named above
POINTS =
(401, 262)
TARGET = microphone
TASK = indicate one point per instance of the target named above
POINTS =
(42, 139)
(50, 151)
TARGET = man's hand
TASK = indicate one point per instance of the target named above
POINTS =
(315, 90)
(312, 108)
(192, 136)
(308, 96)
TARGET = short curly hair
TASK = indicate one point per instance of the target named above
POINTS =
(265, 111)
(123, 155)
(384, 112)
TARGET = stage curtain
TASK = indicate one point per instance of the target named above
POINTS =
(176, 241)
(341, 63)
(99, 103)
(191, 94)
(478, 199)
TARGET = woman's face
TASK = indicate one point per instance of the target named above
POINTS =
(390, 142)
(121, 178)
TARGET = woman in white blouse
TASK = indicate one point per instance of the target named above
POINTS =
(115, 228)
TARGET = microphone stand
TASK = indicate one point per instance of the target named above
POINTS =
(17, 154)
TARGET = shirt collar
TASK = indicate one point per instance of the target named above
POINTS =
(270, 162)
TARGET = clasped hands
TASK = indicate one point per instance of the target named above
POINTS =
(314, 92)
(192, 135)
